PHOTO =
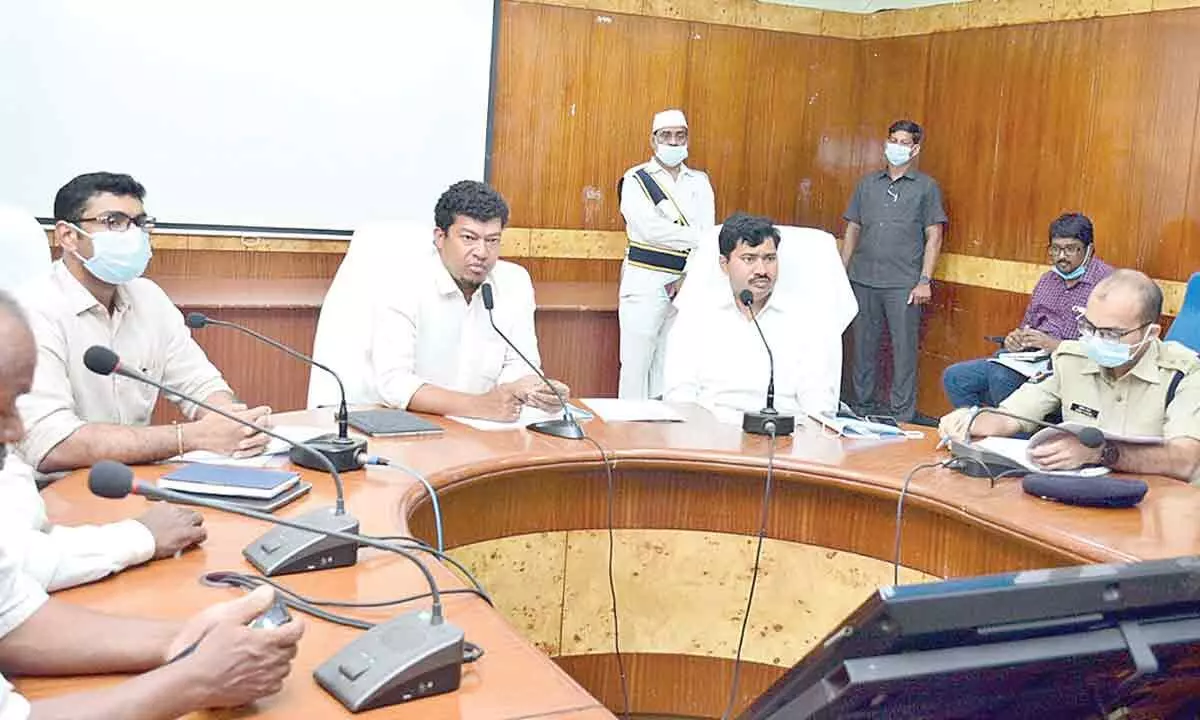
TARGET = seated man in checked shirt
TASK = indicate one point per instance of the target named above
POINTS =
(1050, 318)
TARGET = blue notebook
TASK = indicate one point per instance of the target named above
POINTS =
(228, 480)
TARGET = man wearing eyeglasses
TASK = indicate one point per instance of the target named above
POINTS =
(1051, 317)
(893, 237)
(95, 295)
(667, 206)
(1119, 376)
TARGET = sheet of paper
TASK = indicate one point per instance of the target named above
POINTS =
(528, 415)
(852, 428)
(1017, 450)
(616, 410)
(1028, 368)
(270, 457)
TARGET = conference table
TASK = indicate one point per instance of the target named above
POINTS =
(530, 514)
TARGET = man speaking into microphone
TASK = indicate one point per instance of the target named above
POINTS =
(715, 357)
(432, 346)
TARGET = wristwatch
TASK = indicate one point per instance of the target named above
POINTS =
(924, 280)
(1110, 455)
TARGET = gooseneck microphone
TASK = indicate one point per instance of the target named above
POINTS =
(414, 655)
(767, 421)
(983, 463)
(278, 552)
(566, 427)
(342, 451)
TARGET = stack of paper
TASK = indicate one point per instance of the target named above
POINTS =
(1018, 451)
(1027, 363)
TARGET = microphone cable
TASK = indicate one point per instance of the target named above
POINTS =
(762, 531)
(612, 584)
(419, 477)
(314, 606)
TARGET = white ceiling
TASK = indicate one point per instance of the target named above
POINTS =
(860, 6)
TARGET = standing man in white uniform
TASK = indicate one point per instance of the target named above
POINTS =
(667, 207)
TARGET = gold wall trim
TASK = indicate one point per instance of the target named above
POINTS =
(1007, 275)
(883, 24)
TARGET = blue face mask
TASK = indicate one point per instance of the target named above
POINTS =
(1077, 272)
(118, 257)
(671, 155)
(1110, 353)
(897, 154)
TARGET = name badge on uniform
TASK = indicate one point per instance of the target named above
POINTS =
(1085, 410)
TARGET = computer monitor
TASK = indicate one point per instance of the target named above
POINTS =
(1078, 642)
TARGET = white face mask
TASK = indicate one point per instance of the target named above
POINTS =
(117, 257)
(897, 154)
(671, 155)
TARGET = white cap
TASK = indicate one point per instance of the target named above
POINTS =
(668, 118)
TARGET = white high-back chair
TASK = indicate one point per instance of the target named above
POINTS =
(810, 270)
(343, 337)
(24, 246)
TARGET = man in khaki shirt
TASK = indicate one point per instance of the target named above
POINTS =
(95, 295)
(1119, 376)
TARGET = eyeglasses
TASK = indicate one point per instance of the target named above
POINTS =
(674, 137)
(120, 222)
(1067, 251)
(1087, 329)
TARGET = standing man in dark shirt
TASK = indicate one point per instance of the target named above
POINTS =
(893, 236)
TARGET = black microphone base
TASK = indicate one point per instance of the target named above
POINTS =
(286, 550)
(979, 463)
(403, 659)
(759, 423)
(344, 453)
(562, 428)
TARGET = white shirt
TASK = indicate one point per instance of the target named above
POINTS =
(425, 332)
(20, 598)
(716, 359)
(646, 224)
(145, 329)
(55, 556)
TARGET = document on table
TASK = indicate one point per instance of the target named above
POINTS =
(528, 415)
(272, 456)
(1028, 363)
(617, 410)
(1017, 450)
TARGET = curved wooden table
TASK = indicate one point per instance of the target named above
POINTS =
(697, 477)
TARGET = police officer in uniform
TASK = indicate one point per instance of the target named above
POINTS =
(1120, 377)
(667, 207)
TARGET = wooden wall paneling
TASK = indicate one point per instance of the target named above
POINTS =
(636, 67)
(720, 73)
(580, 349)
(571, 269)
(1045, 85)
(538, 143)
(798, 142)
(246, 264)
(1162, 106)
(962, 120)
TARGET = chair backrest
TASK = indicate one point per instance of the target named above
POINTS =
(343, 337)
(1185, 328)
(810, 270)
(24, 246)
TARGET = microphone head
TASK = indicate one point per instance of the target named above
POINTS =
(196, 320)
(101, 360)
(746, 297)
(1091, 437)
(488, 300)
(110, 479)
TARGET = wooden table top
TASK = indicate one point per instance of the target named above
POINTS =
(291, 293)
(514, 679)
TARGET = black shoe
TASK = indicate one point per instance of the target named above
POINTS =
(924, 420)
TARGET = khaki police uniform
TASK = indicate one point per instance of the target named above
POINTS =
(1134, 404)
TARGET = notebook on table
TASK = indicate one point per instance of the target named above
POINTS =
(391, 423)
(229, 481)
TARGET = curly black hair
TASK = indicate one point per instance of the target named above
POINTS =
(478, 201)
